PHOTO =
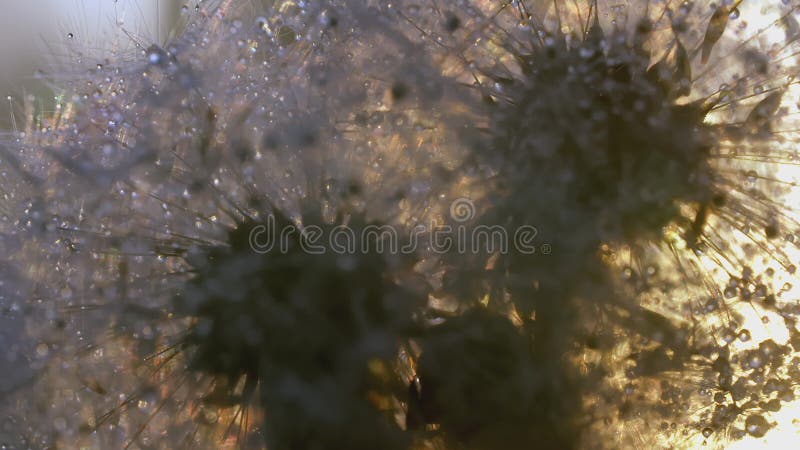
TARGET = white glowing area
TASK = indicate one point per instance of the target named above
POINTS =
(786, 432)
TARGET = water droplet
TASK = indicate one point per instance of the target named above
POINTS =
(627, 273)
(728, 336)
(756, 425)
(155, 55)
(707, 432)
(286, 36)
(755, 360)
(744, 335)
(70, 35)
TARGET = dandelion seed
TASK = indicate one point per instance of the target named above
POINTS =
(543, 157)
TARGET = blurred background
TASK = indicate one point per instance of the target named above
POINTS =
(43, 39)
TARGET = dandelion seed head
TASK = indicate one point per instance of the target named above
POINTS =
(595, 114)
(687, 57)
(145, 182)
(251, 310)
